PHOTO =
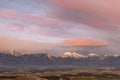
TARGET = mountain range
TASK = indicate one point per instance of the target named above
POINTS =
(14, 58)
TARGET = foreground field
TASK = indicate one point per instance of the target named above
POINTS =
(74, 74)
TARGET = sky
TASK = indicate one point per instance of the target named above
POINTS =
(57, 26)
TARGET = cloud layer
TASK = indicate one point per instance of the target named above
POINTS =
(84, 42)
(7, 43)
(77, 22)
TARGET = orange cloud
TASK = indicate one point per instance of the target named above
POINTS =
(84, 42)
(7, 42)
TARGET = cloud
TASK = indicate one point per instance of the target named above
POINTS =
(99, 14)
(13, 26)
(7, 42)
(26, 17)
(36, 30)
(66, 19)
(34, 23)
(7, 13)
(84, 42)
(31, 18)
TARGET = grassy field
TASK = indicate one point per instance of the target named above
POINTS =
(91, 79)
(73, 74)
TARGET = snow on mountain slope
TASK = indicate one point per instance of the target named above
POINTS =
(72, 55)
(93, 55)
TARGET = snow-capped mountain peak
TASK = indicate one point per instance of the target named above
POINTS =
(113, 55)
(76, 55)
(67, 54)
(13, 52)
(72, 55)
(93, 55)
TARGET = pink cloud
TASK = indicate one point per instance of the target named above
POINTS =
(104, 13)
(7, 13)
(26, 17)
(40, 25)
(84, 42)
(30, 18)
(47, 31)
(45, 25)
(13, 26)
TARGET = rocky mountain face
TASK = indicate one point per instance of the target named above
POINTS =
(13, 58)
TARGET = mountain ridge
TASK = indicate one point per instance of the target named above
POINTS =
(67, 59)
